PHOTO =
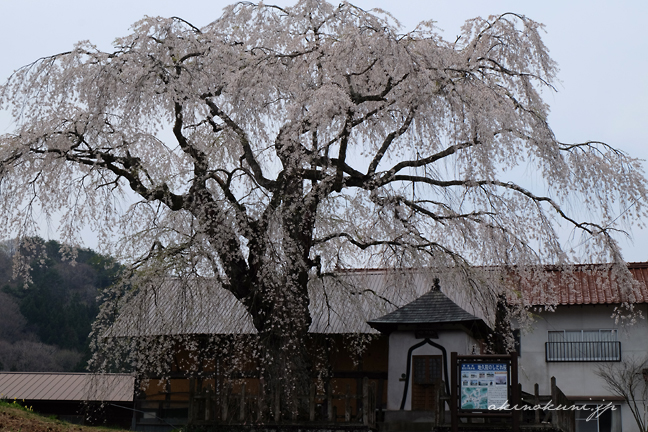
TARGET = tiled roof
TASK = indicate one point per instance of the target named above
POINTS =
(431, 308)
(66, 386)
(588, 285)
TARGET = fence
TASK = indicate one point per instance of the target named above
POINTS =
(241, 404)
(563, 420)
(352, 401)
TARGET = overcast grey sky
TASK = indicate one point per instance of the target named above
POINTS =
(600, 46)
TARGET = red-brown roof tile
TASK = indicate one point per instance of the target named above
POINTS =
(587, 284)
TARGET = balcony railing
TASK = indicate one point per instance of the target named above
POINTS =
(582, 351)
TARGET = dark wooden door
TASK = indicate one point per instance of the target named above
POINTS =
(426, 382)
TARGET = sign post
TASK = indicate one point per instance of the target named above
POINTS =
(482, 386)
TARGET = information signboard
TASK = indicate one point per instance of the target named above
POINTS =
(483, 385)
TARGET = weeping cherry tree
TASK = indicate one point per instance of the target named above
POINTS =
(276, 146)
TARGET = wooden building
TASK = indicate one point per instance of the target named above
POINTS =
(350, 358)
(408, 327)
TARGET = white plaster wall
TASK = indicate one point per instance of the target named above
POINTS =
(578, 378)
(401, 341)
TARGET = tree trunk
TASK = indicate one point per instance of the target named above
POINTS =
(284, 362)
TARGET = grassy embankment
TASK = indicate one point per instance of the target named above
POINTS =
(16, 418)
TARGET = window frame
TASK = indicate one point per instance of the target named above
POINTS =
(569, 347)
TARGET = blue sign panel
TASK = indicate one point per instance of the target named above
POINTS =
(483, 385)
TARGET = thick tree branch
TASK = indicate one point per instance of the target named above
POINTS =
(245, 144)
(388, 141)
(427, 160)
(128, 170)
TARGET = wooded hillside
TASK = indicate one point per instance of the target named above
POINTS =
(45, 318)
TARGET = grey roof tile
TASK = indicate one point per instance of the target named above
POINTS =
(431, 308)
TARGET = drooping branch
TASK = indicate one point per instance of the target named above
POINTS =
(585, 226)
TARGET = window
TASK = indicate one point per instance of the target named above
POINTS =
(427, 369)
(583, 345)
(608, 420)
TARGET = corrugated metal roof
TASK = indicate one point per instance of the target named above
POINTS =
(66, 386)
(174, 308)
(340, 305)
(343, 304)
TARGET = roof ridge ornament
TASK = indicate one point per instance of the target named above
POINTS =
(436, 286)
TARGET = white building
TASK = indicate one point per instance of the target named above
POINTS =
(581, 336)
(572, 342)
(424, 333)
